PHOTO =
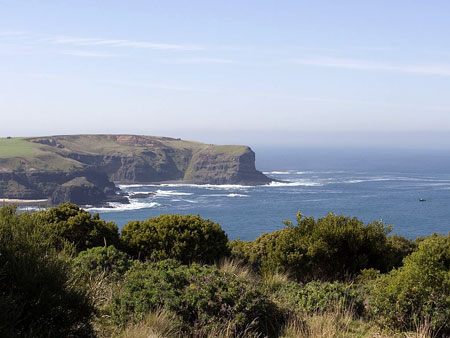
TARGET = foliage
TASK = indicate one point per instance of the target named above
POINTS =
(37, 296)
(205, 298)
(186, 238)
(315, 297)
(333, 247)
(318, 297)
(68, 222)
(105, 261)
(419, 291)
(398, 248)
(45, 292)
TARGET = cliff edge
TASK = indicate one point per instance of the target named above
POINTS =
(82, 168)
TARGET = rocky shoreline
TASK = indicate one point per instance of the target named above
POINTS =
(82, 169)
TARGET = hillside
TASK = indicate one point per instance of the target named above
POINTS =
(82, 168)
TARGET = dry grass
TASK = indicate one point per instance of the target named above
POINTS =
(227, 332)
(237, 268)
(423, 330)
(340, 323)
(101, 289)
(274, 281)
(157, 324)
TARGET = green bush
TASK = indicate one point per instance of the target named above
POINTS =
(37, 295)
(68, 222)
(205, 298)
(331, 248)
(186, 238)
(419, 291)
(102, 261)
(317, 296)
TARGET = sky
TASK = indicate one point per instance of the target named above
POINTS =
(317, 73)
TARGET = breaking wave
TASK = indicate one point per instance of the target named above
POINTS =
(116, 206)
(295, 184)
(172, 193)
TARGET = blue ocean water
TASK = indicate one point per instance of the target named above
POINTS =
(371, 185)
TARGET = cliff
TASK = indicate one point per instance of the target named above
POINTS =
(82, 168)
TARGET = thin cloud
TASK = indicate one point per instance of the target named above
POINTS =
(208, 60)
(39, 39)
(441, 70)
(88, 53)
(164, 86)
(78, 41)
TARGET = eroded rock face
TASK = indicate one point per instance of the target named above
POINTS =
(87, 186)
(79, 191)
(210, 168)
(82, 168)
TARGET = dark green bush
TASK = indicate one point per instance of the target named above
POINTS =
(102, 261)
(331, 248)
(419, 291)
(186, 238)
(68, 222)
(37, 295)
(398, 248)
(204, 297)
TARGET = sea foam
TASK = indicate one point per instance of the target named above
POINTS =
(172, 193)
(115, 206)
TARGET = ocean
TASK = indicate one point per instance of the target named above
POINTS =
(370, 184)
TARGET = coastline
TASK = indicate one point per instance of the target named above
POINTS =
(23, 202)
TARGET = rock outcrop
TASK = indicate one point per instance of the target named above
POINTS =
(78, 191)
(82, 168)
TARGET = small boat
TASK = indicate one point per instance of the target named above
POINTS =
(422, 199)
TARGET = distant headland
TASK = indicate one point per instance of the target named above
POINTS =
(83, 169)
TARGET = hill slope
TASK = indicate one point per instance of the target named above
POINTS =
(81, 168)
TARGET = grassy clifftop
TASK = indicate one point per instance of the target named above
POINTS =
(55, 153)
(20, 154)
(40, 166)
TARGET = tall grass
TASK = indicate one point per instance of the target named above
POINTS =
(157, 324)
(237, 268)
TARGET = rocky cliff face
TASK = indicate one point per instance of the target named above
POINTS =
(208, 167)
(94, 186)
(81, 168)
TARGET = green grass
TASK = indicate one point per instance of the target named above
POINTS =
(17, 146)
(17, 152)
(229, 150)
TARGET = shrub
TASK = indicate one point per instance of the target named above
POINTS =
(37, 296)
(331, 248)
(105, 261)
(319, 297)
(419, 291)
(68, 222)
(186, 238)
(205, 298)
(397, 249)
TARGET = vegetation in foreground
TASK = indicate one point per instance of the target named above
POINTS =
(67, 273)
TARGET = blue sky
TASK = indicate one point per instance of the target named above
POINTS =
(255, 72)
